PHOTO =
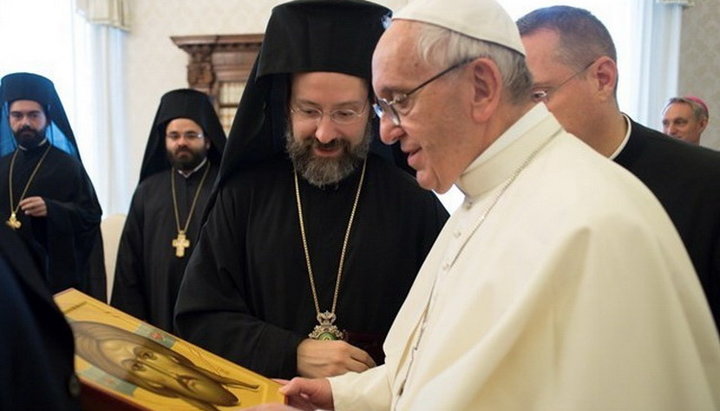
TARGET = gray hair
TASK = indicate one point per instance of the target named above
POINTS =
(440, 47)
(699, 111)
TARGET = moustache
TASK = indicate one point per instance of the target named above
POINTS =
(331, 145)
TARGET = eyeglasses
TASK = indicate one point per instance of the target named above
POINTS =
(189, 135)
(383, 106)
(343, 116)
(543, 94)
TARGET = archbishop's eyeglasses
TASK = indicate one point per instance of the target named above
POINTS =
(383, 106)
(189, 135)
(543, 93)
(343, 116)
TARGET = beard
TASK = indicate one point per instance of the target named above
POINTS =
(185, 158)
(29, 137)
(320, 171)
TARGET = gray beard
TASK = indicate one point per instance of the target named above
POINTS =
(322, 172)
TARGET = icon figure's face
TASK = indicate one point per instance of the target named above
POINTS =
(165, 371)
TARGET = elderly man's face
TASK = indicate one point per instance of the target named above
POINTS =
(569, 92)
(329, 135)
(436, 130)
(680, 122)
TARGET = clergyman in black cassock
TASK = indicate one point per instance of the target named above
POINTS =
(151, 259)
(37, 353)
(41, 163)
(684, 177)
(247, 293)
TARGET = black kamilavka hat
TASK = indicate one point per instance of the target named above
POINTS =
(181, 103)
(30, 86)
(301, 36)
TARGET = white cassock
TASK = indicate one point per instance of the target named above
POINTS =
(574, 294)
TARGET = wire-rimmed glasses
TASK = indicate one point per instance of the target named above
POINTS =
(383, 106)
(343, 116)
(543, 93)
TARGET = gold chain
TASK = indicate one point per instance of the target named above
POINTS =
(173, 171)
(344, 247)
(14, 209)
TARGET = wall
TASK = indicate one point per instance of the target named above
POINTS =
(155, 65)
(700, 62)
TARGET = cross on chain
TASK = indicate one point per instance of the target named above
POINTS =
(180, 243)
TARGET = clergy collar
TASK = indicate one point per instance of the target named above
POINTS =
(623, 143)
(40, 144)
(508, 152)
(187, 174)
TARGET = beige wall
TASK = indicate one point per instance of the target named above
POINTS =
(155, 65)
(700, 62)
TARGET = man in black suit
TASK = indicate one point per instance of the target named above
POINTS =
(573, 62)
(37, 350)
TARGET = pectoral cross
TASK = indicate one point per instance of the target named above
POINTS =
(13, 222)
(180, 243)
(326, 330)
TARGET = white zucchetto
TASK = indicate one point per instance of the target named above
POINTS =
(481, 19)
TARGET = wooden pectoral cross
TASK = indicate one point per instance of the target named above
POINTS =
(180, 243)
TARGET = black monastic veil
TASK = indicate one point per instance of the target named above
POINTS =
(148, 273)
(71, 229)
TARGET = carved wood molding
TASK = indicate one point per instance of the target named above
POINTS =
(214, 58)
(219, 65)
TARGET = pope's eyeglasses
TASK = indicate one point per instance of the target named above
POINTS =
(383, 106)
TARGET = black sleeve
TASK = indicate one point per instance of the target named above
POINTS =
(72, 227)
(95, 284)
(128, 292)
(37, 351)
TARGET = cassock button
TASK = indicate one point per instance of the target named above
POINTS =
(446, 266)
(467, 205)
(74, 386)
(457, 234)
